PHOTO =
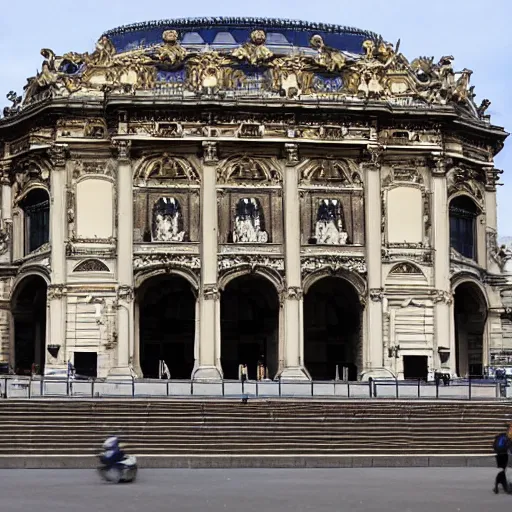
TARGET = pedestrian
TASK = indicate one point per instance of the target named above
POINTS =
(501, 448)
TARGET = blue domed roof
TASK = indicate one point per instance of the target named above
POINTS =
(219, 32)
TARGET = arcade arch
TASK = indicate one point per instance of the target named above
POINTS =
(28, 306)
(249, 326)
(332, 328)
(470, 311)
(167, 325)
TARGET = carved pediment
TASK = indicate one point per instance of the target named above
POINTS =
(335, 172)
(167, 167)
(246, 170)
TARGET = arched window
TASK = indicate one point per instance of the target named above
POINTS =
(36, 207)
(463, 213)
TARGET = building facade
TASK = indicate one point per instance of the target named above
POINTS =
(217, 192)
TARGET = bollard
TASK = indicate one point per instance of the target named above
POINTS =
(191, 387)
(370, 386)
(279, 381)
(437, 388)
(312, 388)
(167, 388)
(419, 388)
(92, 387)
(41, 390)
(30, 387)
(257, 387)
(348, 389)
(396, 385)
(133, 387)
(469, 387)
(5, 387)
(67, 386)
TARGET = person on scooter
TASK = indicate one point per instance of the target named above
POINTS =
(113, 453)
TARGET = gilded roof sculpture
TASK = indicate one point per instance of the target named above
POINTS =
(379, 72)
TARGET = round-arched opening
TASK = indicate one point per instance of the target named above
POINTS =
(167, 314)
(470, 311)
(463, 214)
(332, 329)
(36, 210)
(250, 327)
(28, 306)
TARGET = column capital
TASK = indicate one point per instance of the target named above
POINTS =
(210, 152)
(442, 296)
(58, 154)
(56, 291)
(5, 169)
(292, 153)
(376, 294)
(373, 154)
(291, 293)
(441, 163)
(123, 148)
(211, 292)
(125, 293)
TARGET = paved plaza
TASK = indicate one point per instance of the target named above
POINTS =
(255, 490)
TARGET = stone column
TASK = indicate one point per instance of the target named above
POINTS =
(5, 257)
(292, 301)
(58, 229)
(492, 261)
(125, 307)
(373, 233)
(443, 338)
(208, 366)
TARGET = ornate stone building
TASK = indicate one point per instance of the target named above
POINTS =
(212, 192)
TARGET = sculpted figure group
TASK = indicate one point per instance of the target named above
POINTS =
(381, 72)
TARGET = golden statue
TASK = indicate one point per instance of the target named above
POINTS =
(103, 54)
(329, 58)
(171, 51)
(255, 52)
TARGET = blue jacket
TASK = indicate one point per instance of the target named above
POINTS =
(112, 457)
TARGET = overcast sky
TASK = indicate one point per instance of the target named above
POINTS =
(476, 32)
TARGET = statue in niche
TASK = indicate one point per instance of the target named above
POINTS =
(249, 225)
(167, 221)
(329, 227)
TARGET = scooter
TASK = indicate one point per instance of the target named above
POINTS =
(123, 471)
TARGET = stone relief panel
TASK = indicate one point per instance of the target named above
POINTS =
(249, 198)
(332, 202)
(91, 265)
(335, 218)
(165, 170)
(172, 216)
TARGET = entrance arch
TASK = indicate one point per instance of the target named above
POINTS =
(28, 306)
(470, 310)
(167, 321)
(249, 326)
(332, 329)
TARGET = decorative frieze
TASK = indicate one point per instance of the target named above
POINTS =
(144, 261)
(333, 264)
(252, 261)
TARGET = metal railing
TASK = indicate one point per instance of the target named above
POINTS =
(456, 389)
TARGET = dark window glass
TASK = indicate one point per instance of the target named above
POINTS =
(463, 214)
(37, 220)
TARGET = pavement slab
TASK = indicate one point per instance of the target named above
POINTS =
(254, 490)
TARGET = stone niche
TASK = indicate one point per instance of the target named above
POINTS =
(95, 208)
(171, 215)
(250, 216)
(332, 218)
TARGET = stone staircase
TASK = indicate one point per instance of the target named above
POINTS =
(260, 427)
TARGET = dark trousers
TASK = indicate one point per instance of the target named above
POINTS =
(501, 477)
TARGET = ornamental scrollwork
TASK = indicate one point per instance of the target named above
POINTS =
(145, 261)
(378, 72)
(253, 262)
(334, 264)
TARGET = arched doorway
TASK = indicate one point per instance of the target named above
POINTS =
(332, 329)
(463, 214)
(249, 326)
(470, 311)
(36, 209)
(28, 306)
(167, 314)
